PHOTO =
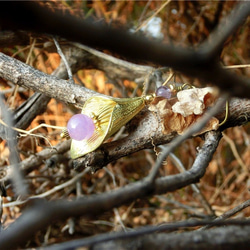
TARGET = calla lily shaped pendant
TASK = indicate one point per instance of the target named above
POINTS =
(100, 118)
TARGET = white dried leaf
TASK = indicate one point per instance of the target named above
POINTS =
(191, 101)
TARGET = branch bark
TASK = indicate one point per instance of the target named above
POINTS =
(23, 75)
(218, 238)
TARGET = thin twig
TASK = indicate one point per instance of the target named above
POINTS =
(229, 213)
(33, 161)
(51, 191)
(194, 186)
(116, 211)
(235, 152)
(144, 10)
(64, 60)
(155, 13)
(237, 66)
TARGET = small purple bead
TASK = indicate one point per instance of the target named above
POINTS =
(80, 127)
(164, 92)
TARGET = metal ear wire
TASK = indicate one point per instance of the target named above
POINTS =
(172, 73)
(226, 115)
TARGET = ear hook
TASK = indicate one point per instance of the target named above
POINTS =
(226, 115)
(172, 73)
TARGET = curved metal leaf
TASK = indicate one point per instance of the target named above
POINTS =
(101, 108)
(109, 115)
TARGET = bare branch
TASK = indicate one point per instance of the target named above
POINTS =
(36, 160)
(113, 67)
(149, 133)
(11, 38)
(26, 76)
(15, 172)
(230, 213)
(217, 238)
(214, 44)
(70, 75)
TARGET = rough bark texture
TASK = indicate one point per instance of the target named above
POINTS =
(229, 237)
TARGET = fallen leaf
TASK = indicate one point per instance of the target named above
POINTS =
(194, 101)
(179, 113)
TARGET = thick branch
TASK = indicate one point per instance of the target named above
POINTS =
(113, 67)
(37, 103)
(229, 237)
(23, 75)
(215, 42)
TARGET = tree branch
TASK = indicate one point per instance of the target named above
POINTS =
(218, 238)
(215, 42)
(14, 171)
(34, 161)
(23, 75)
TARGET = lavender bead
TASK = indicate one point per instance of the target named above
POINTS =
(80, 127)
(164, 92)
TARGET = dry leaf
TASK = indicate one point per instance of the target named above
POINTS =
(194, 101)
(181, 112)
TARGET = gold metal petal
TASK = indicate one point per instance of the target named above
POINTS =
(100, 108)
(109, 115)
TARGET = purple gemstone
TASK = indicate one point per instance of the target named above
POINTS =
(164, 92)
(80, 127)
